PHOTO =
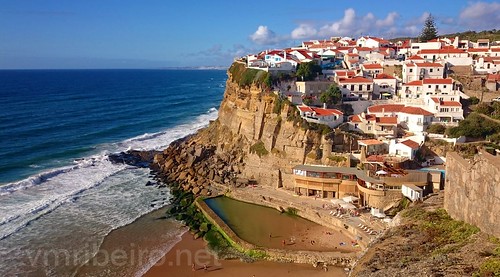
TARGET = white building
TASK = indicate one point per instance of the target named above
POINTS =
(419, 88)
(406, 149)
(444, 110)
(417, 71)
(413, 192)
(371, 70)
(330, 117)
(357, 86)
(384, 86)
(413, 119)
(418, 46)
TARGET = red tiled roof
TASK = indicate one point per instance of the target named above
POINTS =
(387, 120)
(415, 111)
(428, 65)
(494, 77)
(384, 76)
(363, 48)
(414, 83)
(348, 73)
(385, 108)
(370, 142)
(495, 49)
(305, 108)
(352, 55)
(416, 57)
(372, 66)
(447, 81)
(323, 112)
(441, 51)
(356, 79)
(477, 50)
(451, 104)
(355, 118)
(410, 143)
(435, 99)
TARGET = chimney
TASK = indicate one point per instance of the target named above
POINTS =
(363, 115)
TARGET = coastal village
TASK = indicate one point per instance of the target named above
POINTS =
(392, 111)
(347, 133)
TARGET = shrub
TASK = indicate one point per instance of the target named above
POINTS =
(484, 108)
(474, 100)
(259, 149)
(337, 159)
(436, 129)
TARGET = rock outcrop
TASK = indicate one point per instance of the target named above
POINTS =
(257, 138)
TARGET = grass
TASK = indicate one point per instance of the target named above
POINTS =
(291, 211)
(337, 159)
(259, 149)
(446, 233)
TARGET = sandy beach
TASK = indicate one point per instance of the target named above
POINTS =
(180, 259)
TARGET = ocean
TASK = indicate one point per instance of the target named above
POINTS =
(60, 196)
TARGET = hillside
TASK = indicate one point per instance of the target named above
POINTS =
(492, 35)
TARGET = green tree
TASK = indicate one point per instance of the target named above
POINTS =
(429, 31)
(436, 129)
(308, 71)
(332, 95)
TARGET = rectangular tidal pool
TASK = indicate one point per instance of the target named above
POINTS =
(267, 227)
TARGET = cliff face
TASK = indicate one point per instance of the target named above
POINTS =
(253, 139)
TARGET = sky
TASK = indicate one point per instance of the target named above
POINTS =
(82, 34)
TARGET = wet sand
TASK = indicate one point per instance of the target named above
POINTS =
(180, 259)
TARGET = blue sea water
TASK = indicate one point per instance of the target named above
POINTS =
(57, 128)
(49, 118)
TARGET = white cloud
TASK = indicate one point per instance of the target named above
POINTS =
(481, 15)
(264, 36)
(304, 31)
(389, 21)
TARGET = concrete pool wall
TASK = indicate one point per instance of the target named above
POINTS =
(335, 258)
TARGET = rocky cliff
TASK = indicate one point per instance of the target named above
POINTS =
(257, 138)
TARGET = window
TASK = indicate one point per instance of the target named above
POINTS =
(345, 86)
(369, 128)
(431, 70)
(368, 87)
(437, 86)
(429, 86)
(411, 70)
(444, 86)
(360, 87)
(352, 87)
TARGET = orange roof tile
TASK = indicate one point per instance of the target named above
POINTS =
(384, 76)
(415, 111)
(370, 142)
(356, 79)
(414, 83)
(451, 104)
(372, 66)
(385, 108)
(447, 81)
(428, 65)
(410, 143)
(387, 120)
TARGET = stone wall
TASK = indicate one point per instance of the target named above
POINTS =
(472, 190)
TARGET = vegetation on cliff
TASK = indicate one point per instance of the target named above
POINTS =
(475, 126)
(245, 77)
(428, 242)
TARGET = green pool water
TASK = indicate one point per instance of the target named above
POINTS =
(264, 226)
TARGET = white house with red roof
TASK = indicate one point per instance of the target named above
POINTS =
(358, 86)
(362, 52)
(304, 55)
(352, 60)
(486, 65)
(444, 109)
(405, 148)
(419, 88)
(493, 82)
(452, 56)
(417, 71)
(330, 117)
(418, 46)
(371, 70)
(413, 119)
(384, 86)
(372, 42)
(343, 74)
(382, 126)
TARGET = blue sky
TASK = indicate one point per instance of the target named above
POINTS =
(153, 33)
